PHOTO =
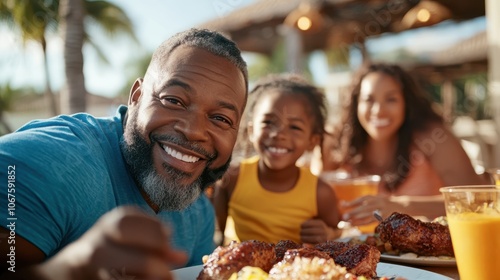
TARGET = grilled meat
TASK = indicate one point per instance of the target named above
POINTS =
(333, 248)
(284, 245)
(407, 234)
(358, 259)
(224, 261)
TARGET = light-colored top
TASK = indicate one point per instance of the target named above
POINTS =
(422, 179)
(260, 214)
(70, 171)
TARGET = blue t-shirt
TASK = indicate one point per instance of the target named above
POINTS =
(69, 171)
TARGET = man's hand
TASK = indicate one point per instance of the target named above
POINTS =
(124, 244)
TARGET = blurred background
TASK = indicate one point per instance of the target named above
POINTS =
(67, 56)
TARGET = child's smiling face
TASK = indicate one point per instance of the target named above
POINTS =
(282, 128)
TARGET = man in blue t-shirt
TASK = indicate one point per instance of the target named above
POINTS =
(97, 198)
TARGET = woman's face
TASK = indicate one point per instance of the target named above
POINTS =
(381, 106)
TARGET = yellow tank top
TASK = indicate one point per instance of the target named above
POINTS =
(259, 214)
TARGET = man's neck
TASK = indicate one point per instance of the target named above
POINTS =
(151, 204)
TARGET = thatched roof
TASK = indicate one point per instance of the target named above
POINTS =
(473, 49)
(468, 56)
(256, 27)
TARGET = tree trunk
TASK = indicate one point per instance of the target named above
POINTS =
(4, 123)
(73, 94)
(51, 99)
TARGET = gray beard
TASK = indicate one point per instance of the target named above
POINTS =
(166, 193)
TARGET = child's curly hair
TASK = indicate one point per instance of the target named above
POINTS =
(286, 83)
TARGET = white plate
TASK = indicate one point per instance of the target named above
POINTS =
(187, 273)
(383, 269)
(410, 258)
(419, 260)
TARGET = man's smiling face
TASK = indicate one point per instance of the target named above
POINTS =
(182, 125)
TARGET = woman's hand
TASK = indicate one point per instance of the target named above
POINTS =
(360, 211)
(123, 243)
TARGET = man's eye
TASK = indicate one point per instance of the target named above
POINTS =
(223, 119)
(171, 100)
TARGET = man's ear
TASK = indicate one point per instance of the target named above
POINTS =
(135, 92)
(315, 140)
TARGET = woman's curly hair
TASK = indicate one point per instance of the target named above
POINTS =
(351, 137)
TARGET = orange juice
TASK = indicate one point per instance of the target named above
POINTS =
(473, 214)
(351, 188)
(476, 243)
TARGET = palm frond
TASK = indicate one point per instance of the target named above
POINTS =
(110, 18)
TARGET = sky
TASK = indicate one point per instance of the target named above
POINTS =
(153, 21)
(156, 20)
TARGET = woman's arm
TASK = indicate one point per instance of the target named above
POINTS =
(430, 207)
(448, 157)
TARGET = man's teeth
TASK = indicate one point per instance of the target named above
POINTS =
(277, 150)
(179, 155)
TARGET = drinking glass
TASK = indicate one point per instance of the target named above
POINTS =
(494, 174)
(473, 214)
(348, 188)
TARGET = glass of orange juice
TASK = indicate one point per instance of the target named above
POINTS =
(348, 187)
(473, 214)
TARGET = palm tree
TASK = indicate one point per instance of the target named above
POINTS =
(6, 102)
(73, 94)
(109, 17)
(34, 18)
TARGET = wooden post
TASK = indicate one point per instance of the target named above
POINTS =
(294, 50)
(492, 31)
(448, 99)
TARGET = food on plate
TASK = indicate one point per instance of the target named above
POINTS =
(287, 256)
(375, 241)
(250, 273)
(406, 234)
(224, 261)
(441, 220)
(284, 245)
(305, 252)
(359, 259)
(309, 268)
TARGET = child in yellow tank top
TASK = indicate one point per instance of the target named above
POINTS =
(269, 197)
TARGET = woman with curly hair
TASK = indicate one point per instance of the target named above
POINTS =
(389, 128)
